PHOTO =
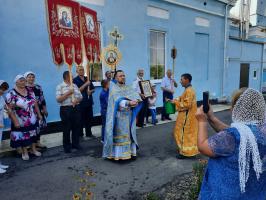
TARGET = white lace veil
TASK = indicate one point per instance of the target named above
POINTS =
(248, 110)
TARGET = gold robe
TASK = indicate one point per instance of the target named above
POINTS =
(186, 128)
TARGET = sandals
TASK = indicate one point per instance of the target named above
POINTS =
(25, 156)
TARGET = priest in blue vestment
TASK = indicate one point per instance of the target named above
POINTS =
(120, 140)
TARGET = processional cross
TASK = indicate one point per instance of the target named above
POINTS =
(116, 35)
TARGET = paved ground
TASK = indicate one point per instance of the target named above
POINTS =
(57, 176)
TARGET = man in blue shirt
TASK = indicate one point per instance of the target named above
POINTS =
(86, 88)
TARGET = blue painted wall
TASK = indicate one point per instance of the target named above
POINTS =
(24, 43)
(243, 52)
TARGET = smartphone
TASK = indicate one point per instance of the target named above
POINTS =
(206, 102)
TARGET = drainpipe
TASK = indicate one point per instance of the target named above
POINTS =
(262, 67)
(225, 52)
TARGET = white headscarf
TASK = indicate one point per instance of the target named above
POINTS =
(2, 81)
(28, 73)
(248, 110)
(19, 76)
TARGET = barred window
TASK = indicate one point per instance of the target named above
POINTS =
(157, 54)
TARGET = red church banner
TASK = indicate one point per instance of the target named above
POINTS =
(90, 32)
(64, 28)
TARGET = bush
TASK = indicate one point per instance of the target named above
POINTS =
(152, 196)
(157, 71)
(198, 173)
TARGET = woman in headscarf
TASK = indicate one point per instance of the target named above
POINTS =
(25, 107)
(235, 167)
(3, 108)
(38, 92)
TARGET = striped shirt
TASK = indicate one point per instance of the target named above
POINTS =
(63, 88)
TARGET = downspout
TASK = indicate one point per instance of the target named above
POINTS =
(262, 67)
(225, 51)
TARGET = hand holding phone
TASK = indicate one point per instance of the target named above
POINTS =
(206, 102)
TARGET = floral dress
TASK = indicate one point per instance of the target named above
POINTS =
(38, 92)
(23, 108)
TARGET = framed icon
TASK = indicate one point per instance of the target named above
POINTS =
(111, 56)
(145, 88)
(90, 23)
(64, 15)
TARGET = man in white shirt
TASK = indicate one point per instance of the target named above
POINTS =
(143, 112)
(168, 86)
(69, 112)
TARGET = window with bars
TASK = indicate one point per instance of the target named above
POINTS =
(157, 54)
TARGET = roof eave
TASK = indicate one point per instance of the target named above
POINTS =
(229, 2)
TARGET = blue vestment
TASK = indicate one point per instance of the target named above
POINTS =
(120, 141)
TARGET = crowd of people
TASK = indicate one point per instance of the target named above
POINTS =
(26, 106)
(237, 152)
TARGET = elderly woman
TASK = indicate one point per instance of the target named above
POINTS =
(23, 104)
(235, 167)
(3, 108)
(38, 92)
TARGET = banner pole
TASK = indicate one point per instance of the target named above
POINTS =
(88, 70)
(174, 68)
(71, 80)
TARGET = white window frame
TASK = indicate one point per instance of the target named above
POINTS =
(165, 54)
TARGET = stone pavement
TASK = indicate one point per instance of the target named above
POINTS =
(55, 139)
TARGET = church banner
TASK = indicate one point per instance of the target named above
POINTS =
(90, 32)
(64, 28)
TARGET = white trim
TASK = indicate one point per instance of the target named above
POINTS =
(156, 81)
(230, 2)
(153, 11)
(201, 21)
(257, 32)
(93, 2)
(194, 8)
